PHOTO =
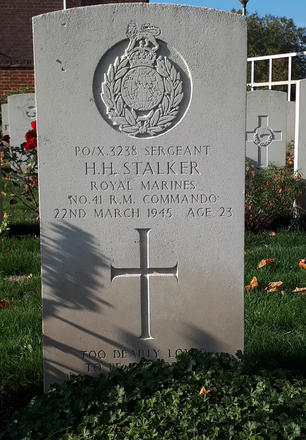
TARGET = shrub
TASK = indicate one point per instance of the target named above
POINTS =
(201, 396)
(19, 169)
(269, 196)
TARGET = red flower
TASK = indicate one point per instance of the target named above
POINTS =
(6, 138)
(31, 143)
(31, 137)
(31, 134)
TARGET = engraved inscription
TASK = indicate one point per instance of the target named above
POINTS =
(144, 271)
(98, 359)
(141, 188)
(142, 91)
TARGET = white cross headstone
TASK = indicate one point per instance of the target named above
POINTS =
(5, 119)
(266, 128)
(300, 141)
(22, 111)
(263, 136)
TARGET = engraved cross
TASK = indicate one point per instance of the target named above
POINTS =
(145, 272)
(263, 136)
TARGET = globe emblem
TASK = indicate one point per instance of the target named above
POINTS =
(142, 88)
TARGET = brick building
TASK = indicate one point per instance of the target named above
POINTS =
(16, 49)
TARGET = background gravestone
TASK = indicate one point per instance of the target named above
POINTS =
(5, 131)
(4, 119)
(290, 121)
(141, 160)
(300, 140)
(266, 130)
(21, 110)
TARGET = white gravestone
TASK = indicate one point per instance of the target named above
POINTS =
(300, 140)
(5, 120)
(5, 131)
(141, 156)
(266, 130)
(22, 111)
(290, 122)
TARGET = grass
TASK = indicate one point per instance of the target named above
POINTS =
(275, 324)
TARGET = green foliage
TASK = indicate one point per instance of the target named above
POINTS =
(269, 197)
(155, 400)
(19, 172)
(269, 35)
(4, 223)
(19, 216)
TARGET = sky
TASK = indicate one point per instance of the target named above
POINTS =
(295, 9)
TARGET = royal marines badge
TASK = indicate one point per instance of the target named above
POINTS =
(142, 91)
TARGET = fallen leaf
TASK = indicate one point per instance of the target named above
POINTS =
(3, 194)
(265, 262)
(302, 264)
(8, 249)
(299, 291)
(272, 234)
(290, 160)
(204, 392)
(273, 286)
(253, 284)
(283, 292)
(5, 304)
(19, 277)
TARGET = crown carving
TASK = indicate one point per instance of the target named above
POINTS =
(142, 56)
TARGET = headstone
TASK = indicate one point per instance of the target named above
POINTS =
(22, 111)
(300, 141)
(4, 120)
(5, 131)
(266, 130)
(141, 159)
(290, 122)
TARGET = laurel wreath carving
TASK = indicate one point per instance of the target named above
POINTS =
(157, 120)
(265, 143)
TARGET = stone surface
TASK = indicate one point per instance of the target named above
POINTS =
(141, 183)
(266, 130)
(290, 121)
(21, 110)
(4, 119)
(5, 131)
(300, 140)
